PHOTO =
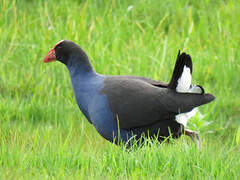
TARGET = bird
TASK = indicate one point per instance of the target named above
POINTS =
(124, 107)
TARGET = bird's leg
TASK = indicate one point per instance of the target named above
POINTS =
(193, 135)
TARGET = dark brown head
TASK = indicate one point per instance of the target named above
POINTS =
(66, 51)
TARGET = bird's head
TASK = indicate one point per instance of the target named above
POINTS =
(64, 51)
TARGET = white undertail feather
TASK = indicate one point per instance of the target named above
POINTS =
(184, 117)
(195, 89)
(184, 82)
(184, 86)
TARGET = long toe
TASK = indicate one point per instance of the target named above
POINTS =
(194, 136)
(198, 140)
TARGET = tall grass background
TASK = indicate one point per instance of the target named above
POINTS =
(42, 132)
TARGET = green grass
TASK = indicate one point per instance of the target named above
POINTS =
(44, 135)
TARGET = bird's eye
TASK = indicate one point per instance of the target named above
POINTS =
(58, 46)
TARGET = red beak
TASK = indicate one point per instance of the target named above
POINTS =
(51, 56)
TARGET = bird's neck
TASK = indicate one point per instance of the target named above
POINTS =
(83, 76)
(80, 67)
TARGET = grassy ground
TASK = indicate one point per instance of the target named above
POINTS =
(44, 135)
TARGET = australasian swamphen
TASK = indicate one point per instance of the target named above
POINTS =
(123, 107)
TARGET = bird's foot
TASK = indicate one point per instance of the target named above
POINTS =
(194, 136)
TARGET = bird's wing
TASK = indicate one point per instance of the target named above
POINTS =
(138, 103)
(148, 80)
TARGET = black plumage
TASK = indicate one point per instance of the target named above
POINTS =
(139, 103)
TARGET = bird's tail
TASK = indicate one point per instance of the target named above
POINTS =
(182, 76)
